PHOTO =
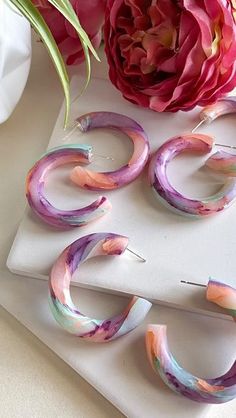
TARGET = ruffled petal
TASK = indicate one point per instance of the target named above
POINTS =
(171, 55)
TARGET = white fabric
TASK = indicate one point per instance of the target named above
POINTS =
(15, 57)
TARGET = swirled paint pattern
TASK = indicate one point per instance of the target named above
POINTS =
(224, 106)
(39, 203)
(218, 390)
(113, 179)
(223, 162)
(64, 310)
(169, 196)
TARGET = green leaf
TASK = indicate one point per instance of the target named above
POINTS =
(28, 9)
(66, 9)
(38, 23)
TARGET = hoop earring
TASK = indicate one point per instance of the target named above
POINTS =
(221, 161)
(169, 195)
(115, 179)
(63, 309)
(219, 390)
(210, 113)
(35, 189)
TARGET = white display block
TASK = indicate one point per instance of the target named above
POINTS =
(120, 369)
(176, 247)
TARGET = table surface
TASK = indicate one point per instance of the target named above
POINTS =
(46, 387)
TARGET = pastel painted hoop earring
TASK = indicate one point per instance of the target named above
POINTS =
(67, 314)
(221, 161)
(169, 196)
(224, 106)
(219, 390)
(114, 179)
(35, 189)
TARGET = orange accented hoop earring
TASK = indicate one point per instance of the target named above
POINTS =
(62, 306)
(115, 179)
(219, 390)
(202, 144)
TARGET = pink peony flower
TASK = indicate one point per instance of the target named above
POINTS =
(171, 55)
(91, 15)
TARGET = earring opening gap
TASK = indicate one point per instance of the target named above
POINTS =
(73, 129)
(218, 145)
(104, 157)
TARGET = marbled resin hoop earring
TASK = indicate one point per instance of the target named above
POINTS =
(221, 161)
(67, 314)
(222, 107)
(35, 189)
(168, 195)
(114, 179)
(219, 390)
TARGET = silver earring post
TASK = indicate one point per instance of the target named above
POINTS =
(193, 284)
(218, 145)
(73, 129)
(105, 157)
(198, 125)
(226, 146)
(137, 255)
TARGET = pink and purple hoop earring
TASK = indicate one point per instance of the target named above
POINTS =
(221, 161)
(169, 196)
(115, 179)
(219, 390)
(35, 189)
(67, 314)
(212, 112)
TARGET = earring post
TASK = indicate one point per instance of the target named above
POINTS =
(104, 156)
(198, 125)
(226, 146)
(137, 255)
(67, 136)
(192, 283)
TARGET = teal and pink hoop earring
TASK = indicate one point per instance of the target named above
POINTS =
(219, 390)
(67, 314)
(115, 179)
(93, 181)
(169, 196)
(37, 200)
